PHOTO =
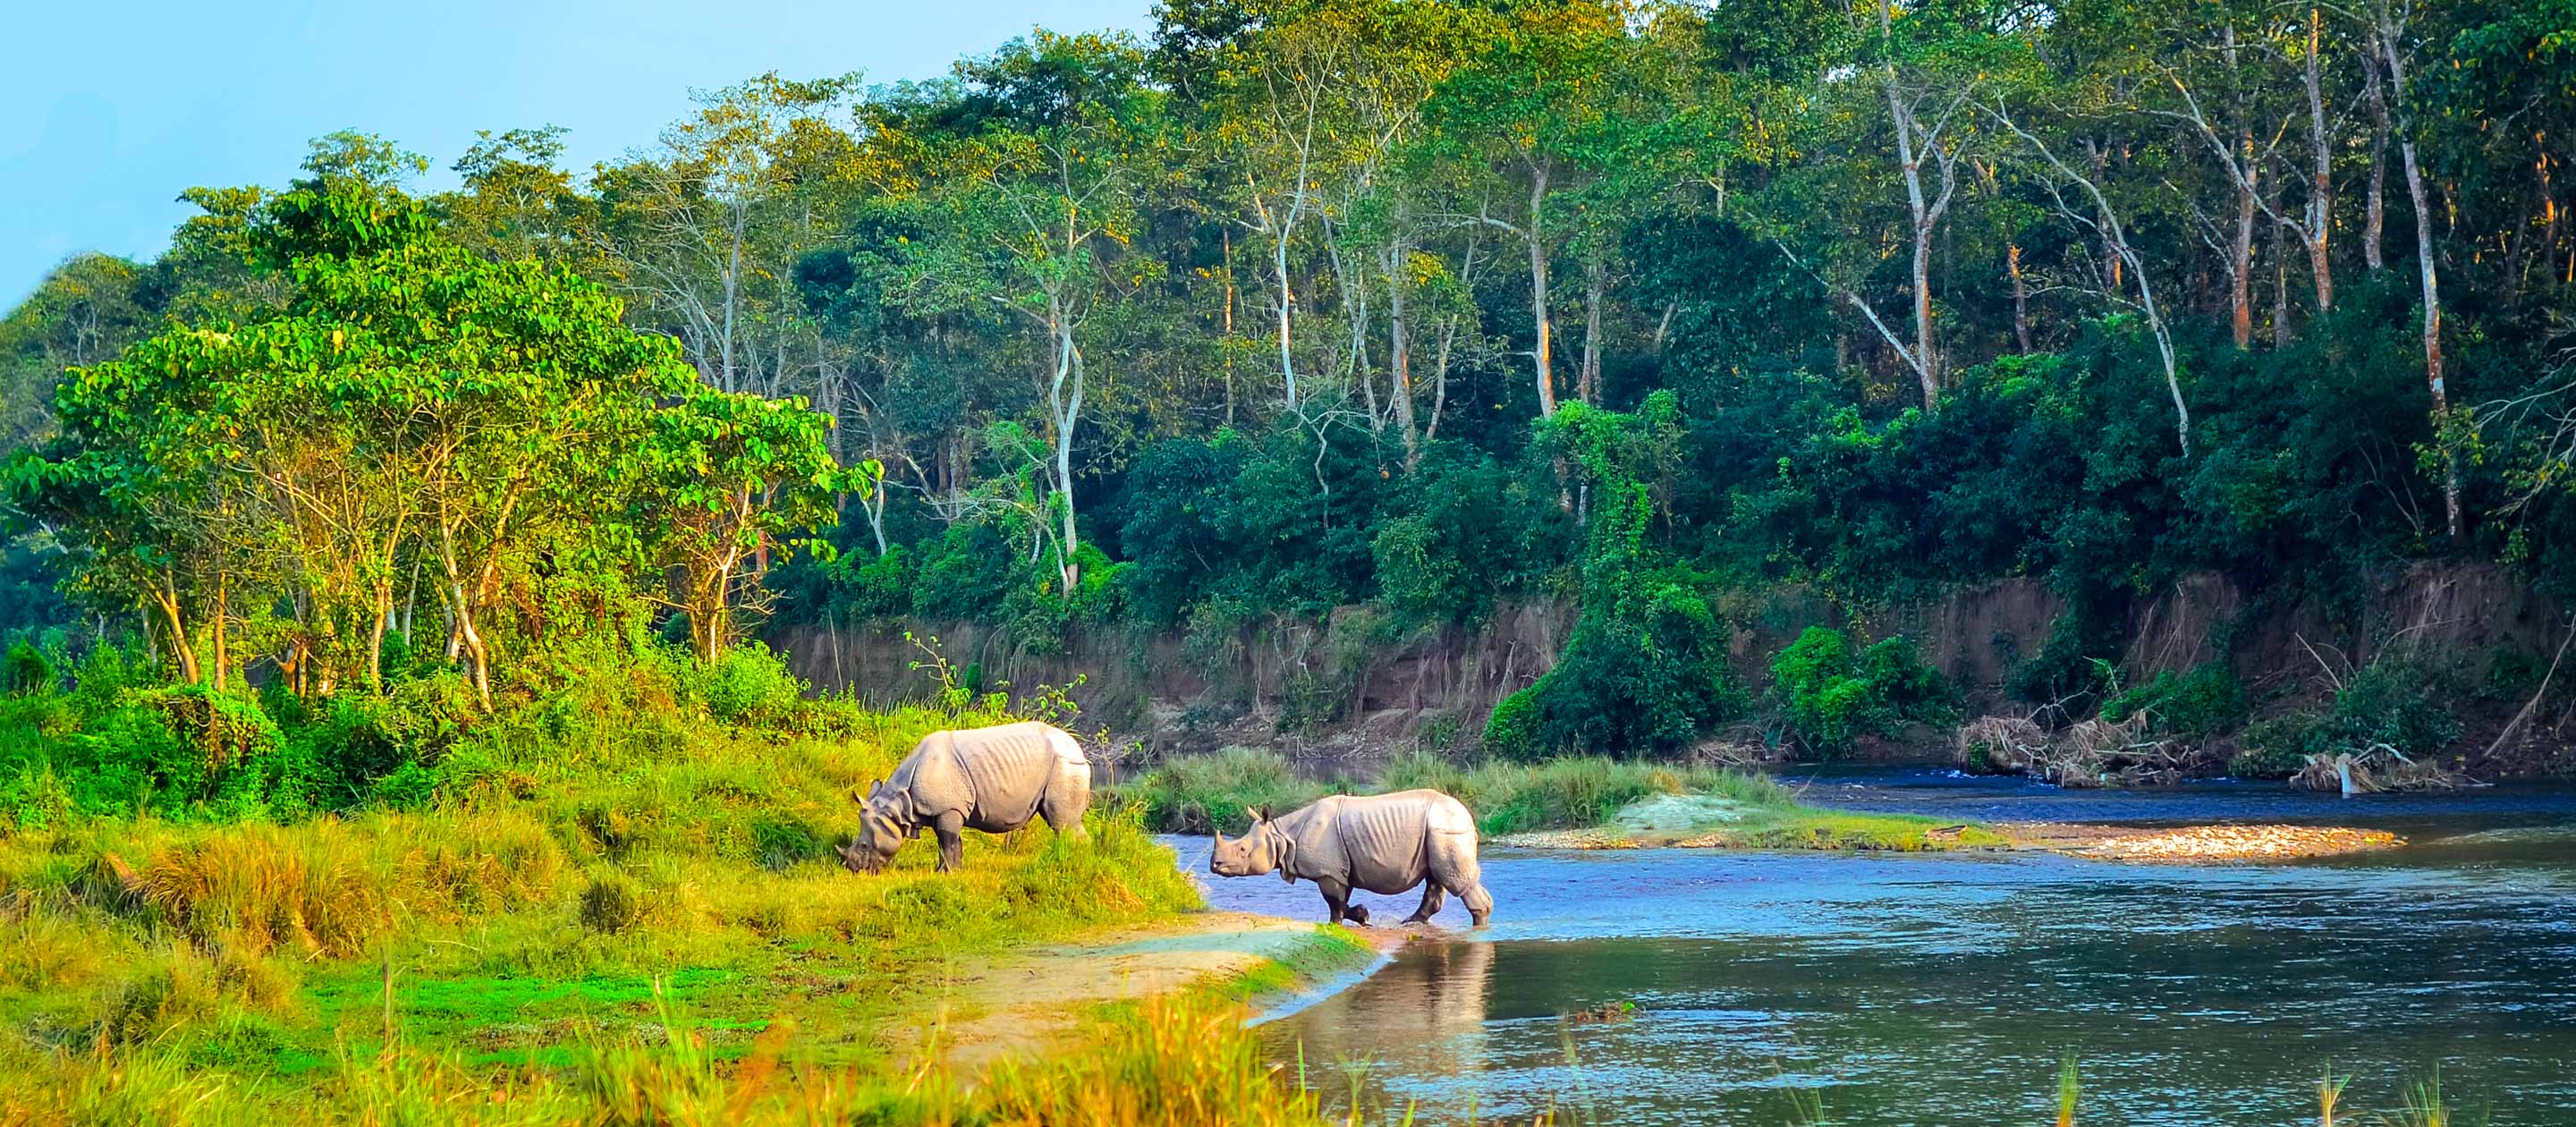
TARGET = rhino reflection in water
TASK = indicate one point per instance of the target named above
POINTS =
(1423, 1015)
(993, 779)
(1385, 843)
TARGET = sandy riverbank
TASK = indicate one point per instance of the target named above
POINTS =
(2196, 843)
(1034, 999)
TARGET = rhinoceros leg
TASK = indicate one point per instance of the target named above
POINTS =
(951, 828)
(1337, 902)
(1432, 899)
(1453, 867)
(1480, 904)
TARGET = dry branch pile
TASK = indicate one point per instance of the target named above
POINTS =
(2374, 769)
(2090, 753)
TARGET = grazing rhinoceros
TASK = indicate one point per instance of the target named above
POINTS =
(1385, 843)
(990, 779)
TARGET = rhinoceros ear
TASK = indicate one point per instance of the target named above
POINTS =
(1259, 815)
(1265, 812)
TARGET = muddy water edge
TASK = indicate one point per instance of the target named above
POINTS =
(1947, 989)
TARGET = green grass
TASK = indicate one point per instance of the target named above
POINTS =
(1189, 794)
(618, 852)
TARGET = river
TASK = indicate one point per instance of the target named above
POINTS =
(1947, 989)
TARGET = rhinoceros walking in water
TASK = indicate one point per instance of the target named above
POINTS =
(990, 779)
(1385, 843)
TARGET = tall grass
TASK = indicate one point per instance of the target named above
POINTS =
(1184, 1060)
(1192, 794)
(582, 847)
(1569, 793)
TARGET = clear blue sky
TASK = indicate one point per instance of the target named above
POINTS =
(108, 108)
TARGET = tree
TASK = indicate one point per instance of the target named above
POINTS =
(1529, 117)
(1039, 213)
(732, 478)
(2391, 26)
(694, 236)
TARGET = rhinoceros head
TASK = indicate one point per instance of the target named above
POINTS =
(1260, 850)
(881, 831)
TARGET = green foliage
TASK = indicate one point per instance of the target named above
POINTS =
(2204, 702)
(26, 669)
(1832, 696)
(2394, 703)
(747, 685)
(1645, 669)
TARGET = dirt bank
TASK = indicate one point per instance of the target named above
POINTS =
(1033, 999)
(1347, 683)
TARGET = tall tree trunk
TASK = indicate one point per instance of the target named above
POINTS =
(1587, 386)
(2021, 297)
(2280, 292)
(1440, 377)
(2240, 294)
(1227, 335)
(2099, 156)
(1287, 301)
(2549, 213)
(1926, 211)
(2389, 25)
(167, 598)
(2428, 257)
(2319, 228)
(222, 611)
(1399, 355)
(1539, 351)
(2374, 222)
(1065, 400)
(461, 606)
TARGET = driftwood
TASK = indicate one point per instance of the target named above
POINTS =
(2376, 768)
(2089, 753)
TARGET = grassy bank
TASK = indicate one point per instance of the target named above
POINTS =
(584, 872)
(1616, 801)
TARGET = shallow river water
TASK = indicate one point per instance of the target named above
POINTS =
(1947, 989)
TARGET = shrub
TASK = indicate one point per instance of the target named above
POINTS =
(2203, 702)
(1513, 731)
(2276, 748)
(747, 684)
(871, 586)
(1832, 696)
(26, 670)
(2392, 703)
(610, 904)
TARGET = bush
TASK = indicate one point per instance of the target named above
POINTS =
(610, 904)
(2392, 703)
(1833, 696)
(2204, 702)
(25, 670)
(746, 684)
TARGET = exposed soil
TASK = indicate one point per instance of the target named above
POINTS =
(1035, 998)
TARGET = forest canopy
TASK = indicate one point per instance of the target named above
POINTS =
(1297, 304)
